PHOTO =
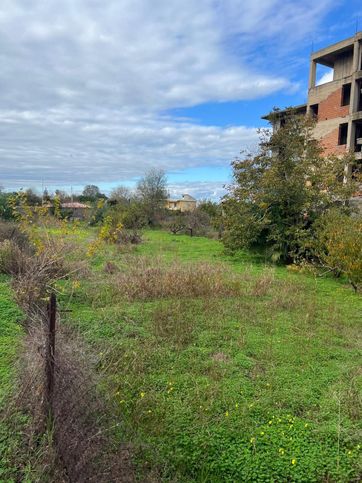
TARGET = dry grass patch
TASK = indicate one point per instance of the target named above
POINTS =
(147, 279)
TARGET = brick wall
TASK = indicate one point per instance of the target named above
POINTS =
(330, 143)
(330, 108)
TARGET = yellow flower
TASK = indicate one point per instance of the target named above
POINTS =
(262, 433)
(281, 450)
(270, 422)
(227, 414)
(294, 461)
(142, 394)
(236, 405)
(252, 440)
(306, 425)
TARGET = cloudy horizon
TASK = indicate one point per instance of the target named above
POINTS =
(99, 92)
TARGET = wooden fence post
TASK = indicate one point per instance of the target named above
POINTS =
(50, 348)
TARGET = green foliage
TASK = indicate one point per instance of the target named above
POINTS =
(6, 212)
(278, 194)
(10, 333)
(338, 245)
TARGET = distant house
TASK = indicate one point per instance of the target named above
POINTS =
(186, 203)
(73, 210)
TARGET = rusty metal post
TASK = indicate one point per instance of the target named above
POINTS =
(50, 349)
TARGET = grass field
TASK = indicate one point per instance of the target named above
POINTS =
(256, 377)
(10, 335)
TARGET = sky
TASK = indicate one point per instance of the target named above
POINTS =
(100, 91)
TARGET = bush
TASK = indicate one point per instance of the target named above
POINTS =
(12, 260)
(129, 237)
(10, 231)
(338, 245)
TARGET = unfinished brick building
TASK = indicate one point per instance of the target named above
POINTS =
(337, 104)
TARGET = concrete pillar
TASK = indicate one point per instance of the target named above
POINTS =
(312, 74)
(351, 135)
(356, 64)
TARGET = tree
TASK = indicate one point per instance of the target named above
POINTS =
(32, 197)
(91, 192)
(278, 194)
(197, 222)
(120, 195)
(152, 192)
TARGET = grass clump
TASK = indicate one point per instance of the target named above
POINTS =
(147, 279)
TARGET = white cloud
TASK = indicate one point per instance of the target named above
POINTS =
(84, 83)
(326, 77)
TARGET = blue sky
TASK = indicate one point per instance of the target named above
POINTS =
(100, 92)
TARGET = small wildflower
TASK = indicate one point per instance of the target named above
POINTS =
(236, 405)
(349, 453)
(294, 461)
(227, 414)
(252, 440)
(262, 433)
(149, 411)
(142, 394)
(306, 425)
(270, 422)
(281, 451)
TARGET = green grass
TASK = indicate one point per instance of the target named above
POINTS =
(264, 385)
(10, 335)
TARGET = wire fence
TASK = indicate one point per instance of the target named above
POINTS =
(82, 426)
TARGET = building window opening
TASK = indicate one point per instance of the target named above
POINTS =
(314, 108)
(343, 134)
(346, 95)
(324, 74)
(359, 96)
(358, 140)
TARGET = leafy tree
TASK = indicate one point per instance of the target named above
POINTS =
(61, 195)
(152, 194)
(134, 216)
(32, 197)
(278, 194)
(91, 192)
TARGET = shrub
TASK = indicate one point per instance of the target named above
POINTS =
(11, 231)
(338, 245)
(12, 259)
(129, 237)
